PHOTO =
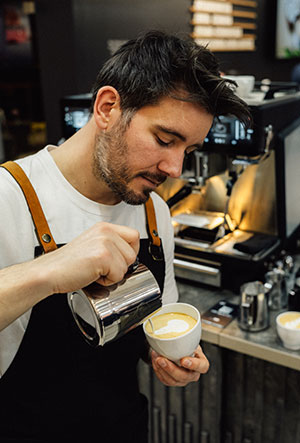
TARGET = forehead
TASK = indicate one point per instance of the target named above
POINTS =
(175, 111)
(186, 117)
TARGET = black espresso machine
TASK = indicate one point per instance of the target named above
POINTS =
(237, 205)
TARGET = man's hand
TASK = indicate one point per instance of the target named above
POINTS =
(103, 253)
(171, 374)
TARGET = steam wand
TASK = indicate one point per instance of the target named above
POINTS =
(227, 220)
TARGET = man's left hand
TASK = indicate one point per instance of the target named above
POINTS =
(171, 374)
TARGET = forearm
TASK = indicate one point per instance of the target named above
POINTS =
(102, 253)
(21, 287)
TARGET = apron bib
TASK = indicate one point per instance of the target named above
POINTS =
(58, 388)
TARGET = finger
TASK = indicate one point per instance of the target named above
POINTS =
(131, 236)
(166, 378)
(158, 364)
(128, 252)
(198, 363)
(173, 374)
(116, 264)
(119, 256)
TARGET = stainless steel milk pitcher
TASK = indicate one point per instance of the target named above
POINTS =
(105, 313)
(254, 312)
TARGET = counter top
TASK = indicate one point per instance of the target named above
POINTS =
(265, 344)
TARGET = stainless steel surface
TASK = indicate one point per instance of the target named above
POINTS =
(253, 201)
(226, 244)
(265, 345)
(246, 368)
(196, 245)
(254, 311)
(278, 289)
(201, 167)
(199, 219)
(105, 313)
(197, 272)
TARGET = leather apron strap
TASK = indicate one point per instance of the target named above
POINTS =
(42, 229)
(155, 247)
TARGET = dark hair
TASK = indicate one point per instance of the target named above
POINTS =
(156, 65)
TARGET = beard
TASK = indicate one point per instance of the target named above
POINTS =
(111, 165)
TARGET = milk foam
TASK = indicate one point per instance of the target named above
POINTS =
(292, 324)
(173, 326)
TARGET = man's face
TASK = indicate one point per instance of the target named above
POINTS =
(132, 160)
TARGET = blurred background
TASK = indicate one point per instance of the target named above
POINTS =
(50, 49)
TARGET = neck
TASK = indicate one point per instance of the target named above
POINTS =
(75, 158)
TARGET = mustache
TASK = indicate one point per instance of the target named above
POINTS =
(156, 178)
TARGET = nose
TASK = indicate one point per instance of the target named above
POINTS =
(171, 163)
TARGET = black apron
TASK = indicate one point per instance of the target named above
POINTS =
(59, 388)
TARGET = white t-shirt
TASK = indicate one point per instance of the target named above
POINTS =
(68, 214)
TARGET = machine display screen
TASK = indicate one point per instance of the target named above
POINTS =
(230, 132)
(74, 119)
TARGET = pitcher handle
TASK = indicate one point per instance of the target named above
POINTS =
(247, 318)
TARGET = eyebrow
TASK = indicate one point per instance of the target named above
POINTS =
(177, 134)
(171, 132)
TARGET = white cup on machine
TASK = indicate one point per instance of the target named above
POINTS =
(245, 84)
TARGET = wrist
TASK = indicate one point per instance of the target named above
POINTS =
(41, 277)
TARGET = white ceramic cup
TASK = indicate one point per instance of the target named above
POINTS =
(289, 333)
(245, 84)
(177, 347)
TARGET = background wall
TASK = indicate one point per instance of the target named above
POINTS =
(76, 37)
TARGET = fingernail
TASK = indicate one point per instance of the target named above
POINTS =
(187, 363)
(162, 363)
(154, 354)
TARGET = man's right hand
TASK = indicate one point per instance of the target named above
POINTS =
(103, 253)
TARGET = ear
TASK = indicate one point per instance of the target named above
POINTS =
(106, 107)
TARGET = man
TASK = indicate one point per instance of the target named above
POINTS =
(153, 103)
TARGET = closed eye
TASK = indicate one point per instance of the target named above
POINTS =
(162, 143)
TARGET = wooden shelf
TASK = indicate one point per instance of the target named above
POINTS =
(205, 37)
(247, 3)
(244, 25)
(244, 14)
(234, 13)
(214, 47)
(241, 17)
(232, 50)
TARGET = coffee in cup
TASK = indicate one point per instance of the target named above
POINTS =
(183, 322)
(170, 325)
(290, 320)
(288, 328)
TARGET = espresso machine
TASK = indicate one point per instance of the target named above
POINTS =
(237, 203)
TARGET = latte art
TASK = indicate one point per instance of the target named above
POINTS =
(291, 320)
(169, 325)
